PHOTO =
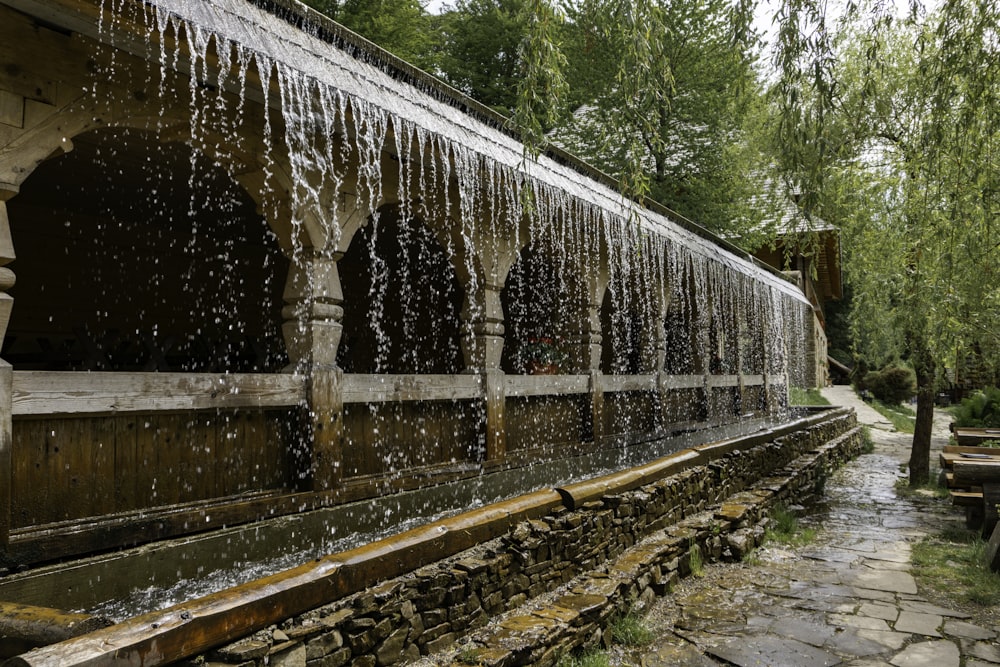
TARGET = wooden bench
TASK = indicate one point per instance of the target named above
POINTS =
(985, 474)
(975, 436)
(972, 476)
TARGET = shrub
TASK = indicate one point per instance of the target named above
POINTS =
(980, 410)
(892, 385)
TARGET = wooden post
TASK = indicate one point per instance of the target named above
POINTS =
(482, 347)
(6, 453)
(596, 389)
(6, 372)
(496, 430)
(588, 362)
(312, 332)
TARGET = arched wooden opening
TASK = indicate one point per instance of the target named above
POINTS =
(402, 305)
(137, 256)
(541, 313)
(134, 255)
(623, 328)
(402, 300)
(544, 311)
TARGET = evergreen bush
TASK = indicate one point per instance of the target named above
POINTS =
(980, 410)
(892, 385)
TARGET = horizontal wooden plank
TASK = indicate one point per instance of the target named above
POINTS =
(968, 472)
(612, 383)
(975, 436)
(753, 380)
(546, 385)
(683, 381)
(723, 380)
(966, 498)
(364, 388)
(66, 393)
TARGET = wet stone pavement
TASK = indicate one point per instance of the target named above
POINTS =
(846, 598)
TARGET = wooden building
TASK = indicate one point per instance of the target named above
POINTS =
(264, 267)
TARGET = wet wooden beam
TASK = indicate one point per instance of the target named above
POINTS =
(62, 393)
(38, 544)
(366, 388)
(24, 627)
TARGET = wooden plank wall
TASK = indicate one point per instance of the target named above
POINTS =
(391, 438)
(548, 424)
(72, 468)
(629, 413)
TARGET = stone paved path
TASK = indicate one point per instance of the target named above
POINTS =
(847, 598)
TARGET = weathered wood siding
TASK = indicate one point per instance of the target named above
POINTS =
(389, 439)
(73, 468)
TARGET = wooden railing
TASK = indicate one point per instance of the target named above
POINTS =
(238, 444)
(69, 393)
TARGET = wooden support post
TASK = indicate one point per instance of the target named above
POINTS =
(6, 452)
(326, 417)
(482, 347)
(993, 550)
(312, 332)
(6, 374)
(654, 358)
(496, 430)
(597, 406)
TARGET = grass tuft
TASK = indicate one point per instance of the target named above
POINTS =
(955, 562)
(631, 630)
(784, 529)
(903, 418)
(867, 442)
(696, 561)
(803, 396)
(588, 658)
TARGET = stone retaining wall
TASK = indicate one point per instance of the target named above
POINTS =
(573, 569)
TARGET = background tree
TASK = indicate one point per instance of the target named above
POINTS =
(480, 52)
(666, 92)
(402, 27)
(897, 143)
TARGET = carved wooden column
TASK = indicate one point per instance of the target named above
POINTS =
(6, 371)
(312, 329)
(587, 361)
(482, 346)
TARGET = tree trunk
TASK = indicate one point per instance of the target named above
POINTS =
(920, 452)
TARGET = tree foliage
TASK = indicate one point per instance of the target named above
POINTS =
(480, 54)
(401, 27)
(666, 92)
(896, 140)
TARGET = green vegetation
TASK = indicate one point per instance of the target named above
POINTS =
(892, 385)
(931, 488)
(784, 529)
(980, 410)
(697, 563)
(903, 418)
(954, 562)
(631, 630)
(589, 658)
(867, 443)
(801, 396)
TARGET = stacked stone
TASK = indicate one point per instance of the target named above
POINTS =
(573, 568)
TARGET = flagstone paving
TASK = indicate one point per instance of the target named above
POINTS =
(848, 598)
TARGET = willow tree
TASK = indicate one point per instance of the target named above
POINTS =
(898, 144)
(662, 89)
